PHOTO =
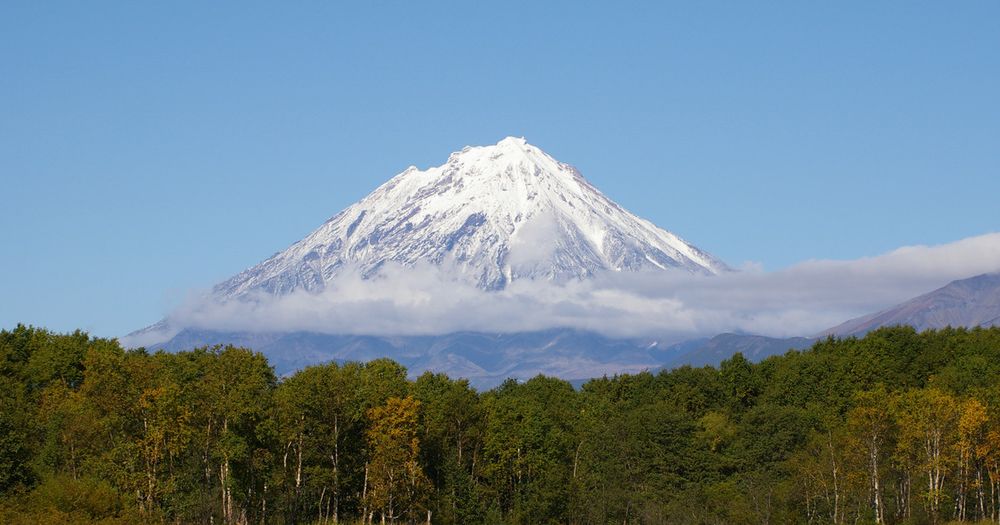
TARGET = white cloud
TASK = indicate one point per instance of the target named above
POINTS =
(801, 300)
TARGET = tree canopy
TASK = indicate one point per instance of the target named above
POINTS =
(896, 427)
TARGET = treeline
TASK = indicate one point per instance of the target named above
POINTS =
(897, 427)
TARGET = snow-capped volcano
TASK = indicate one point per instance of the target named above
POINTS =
(492, 215)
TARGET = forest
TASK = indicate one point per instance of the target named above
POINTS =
(897, 427)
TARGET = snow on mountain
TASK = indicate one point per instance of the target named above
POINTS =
(490, 215)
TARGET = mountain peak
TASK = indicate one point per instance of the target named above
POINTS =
(504, 157)
(490, 215)
(511, 141)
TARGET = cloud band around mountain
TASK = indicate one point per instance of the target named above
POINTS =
(425, 300)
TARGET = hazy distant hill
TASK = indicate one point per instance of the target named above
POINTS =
(721, 347)
(968, 302)
(964, 303)
(484, 359)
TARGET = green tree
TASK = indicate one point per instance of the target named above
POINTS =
(319, 414)
(741, 381)
(450, 429)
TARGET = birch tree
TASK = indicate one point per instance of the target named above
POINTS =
(928, 420)
(871, 424)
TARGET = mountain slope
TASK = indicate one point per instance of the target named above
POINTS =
(490, 215)
(968, 302)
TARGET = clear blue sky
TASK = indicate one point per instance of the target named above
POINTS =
(146, 150)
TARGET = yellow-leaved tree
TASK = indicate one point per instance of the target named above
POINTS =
(928, 424)
(972, 433)
(395, 486)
